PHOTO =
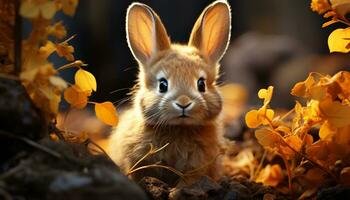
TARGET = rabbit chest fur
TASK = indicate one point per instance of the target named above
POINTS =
(176, 101)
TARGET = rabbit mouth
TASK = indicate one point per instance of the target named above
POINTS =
(184, 116)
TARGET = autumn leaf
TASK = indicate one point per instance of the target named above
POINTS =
(107, 113)
(76, 97)
(301, 89)
(85, 80)
(270, 175)
(320, 6)
(338, 40)
(69, 6)
(57, 30)
(47, 49)
(266, 94)
(263, 116)
(268, 138)
(336, 113)
(342, 7)
(294, 142)
(255, 118)
(65, 50)
(330, 22)
(34, 9)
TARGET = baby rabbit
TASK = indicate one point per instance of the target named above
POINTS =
(176, 99)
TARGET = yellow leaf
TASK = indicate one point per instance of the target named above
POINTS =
(338, 115)
(65, 50)
(251, 119)
(76, 97)
(301, 89)
(338, 40)
(329, 23)
(32, 9)
(268, 138)
(266, 94)
(293, 141)
(29, 9)
(255, 118)
(342, 7)
(29, 75)
(57, 30)
(47, 49)
(318, 92)
(266, 115)
(327, 131)
(48, 9)
(107, 113)
(320, 6)
(270, 175)
(85, 80)
(69, 6)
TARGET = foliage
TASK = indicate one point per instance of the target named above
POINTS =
(39, 76)
(313, 138)
(339, 39)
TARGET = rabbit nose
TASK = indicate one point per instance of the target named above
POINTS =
(183, 106)
(182, 102)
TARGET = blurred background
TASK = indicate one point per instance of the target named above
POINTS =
(273, 42)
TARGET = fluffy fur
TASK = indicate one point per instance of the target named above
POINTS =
(153, 117)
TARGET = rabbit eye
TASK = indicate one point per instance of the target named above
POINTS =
(201, 84)
(163, 85)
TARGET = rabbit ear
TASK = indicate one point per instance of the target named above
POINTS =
(211, 32)
(146, 34)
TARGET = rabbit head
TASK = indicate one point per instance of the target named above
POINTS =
(177, 83)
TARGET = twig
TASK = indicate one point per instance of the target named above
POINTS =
(289, 173)
(77, 63)
(18, 39)
(307, 158)
(260, 165)
(191, 172)
(287, 114)
(158, 166)
(11, 172)
(150, 152)
(33, 144)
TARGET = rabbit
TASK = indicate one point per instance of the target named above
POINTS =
(176, 101)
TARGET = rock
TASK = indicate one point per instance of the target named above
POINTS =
(18, 116)
(204, 188)
(338, 192)
(75, 175)
(155, 188)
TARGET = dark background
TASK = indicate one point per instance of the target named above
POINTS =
(266, 36)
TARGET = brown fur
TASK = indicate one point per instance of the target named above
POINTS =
(153, 118)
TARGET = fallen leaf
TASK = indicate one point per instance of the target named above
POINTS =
(270, 175)
(107, 113)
